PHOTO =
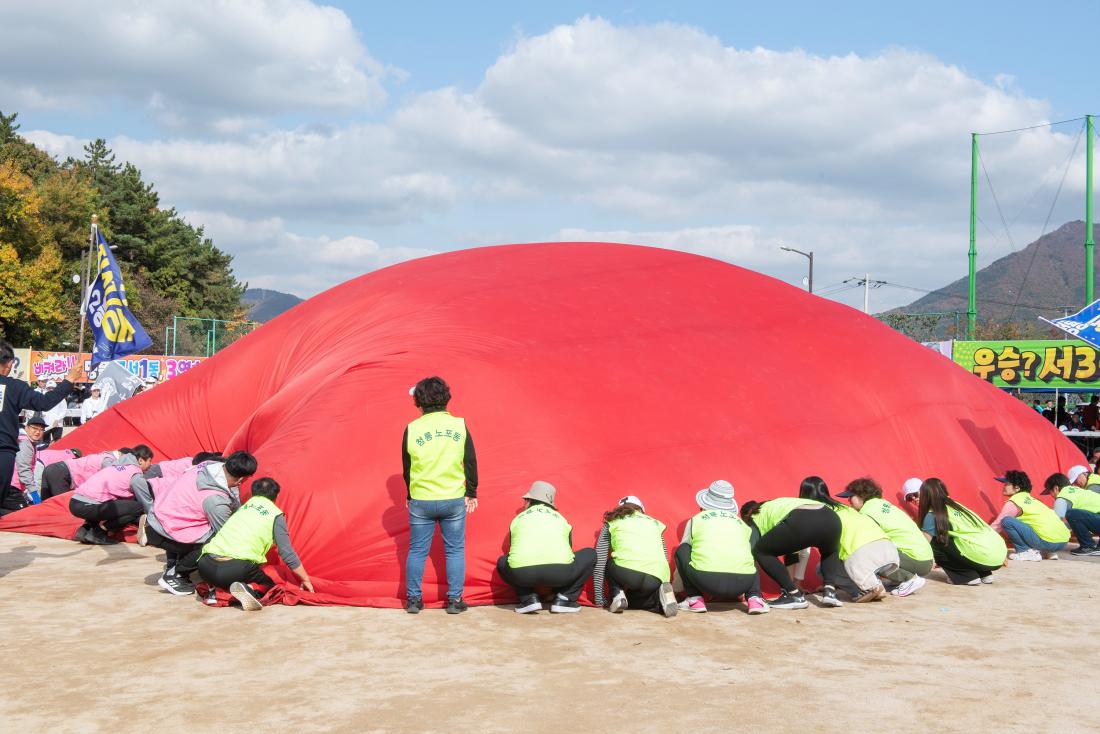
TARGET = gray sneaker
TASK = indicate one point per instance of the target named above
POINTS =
(827, 597)
(176, 584)
(618, 602)
(142, 536)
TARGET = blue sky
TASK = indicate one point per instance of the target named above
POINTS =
(352, 136)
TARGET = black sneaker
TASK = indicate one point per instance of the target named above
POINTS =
(1078, 551)
(456, 606)
(98, 536)
(82, 534)
(562, 605)
(529, 604)
(414, 606)
(176, 584)
(788, 600)
(828, 597)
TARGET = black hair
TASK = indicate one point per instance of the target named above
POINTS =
(141, 451)
(431, 394)
(532, 503)
(814, 488)
(934, 499)
(1018, 479)
(865, 488)
(748, 509)
(7, 353)
(207, 456)
(240, 464)
(1057, 480)
(265, 487)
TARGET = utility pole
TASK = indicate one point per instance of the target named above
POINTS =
(1089, 244)
(972, 256)
(810, 256)
(866, 293)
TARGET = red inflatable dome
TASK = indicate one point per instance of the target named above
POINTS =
(604, 369)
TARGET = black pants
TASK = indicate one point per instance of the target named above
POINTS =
(715, 584)
(114, 514)
(640, 588)
(56, 480)
(223, 573)
(187, 561)
(564, 578)
(802, 528)
(958, 567)
(7, 466)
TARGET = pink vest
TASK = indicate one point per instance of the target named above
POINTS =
(179, 508)
(52, 456)
(15, 472)
(174, 469)
(83, 468)
(112, 483)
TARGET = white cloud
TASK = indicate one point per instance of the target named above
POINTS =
(659, 133)
(217, 64)
(267, 255)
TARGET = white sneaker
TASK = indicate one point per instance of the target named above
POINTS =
(912, 586)
(1050, 556)
(241, 593)
(986, 579)
(1029, 555)
(618, 602)
(693, 604)
(666, 597)
(142, 537)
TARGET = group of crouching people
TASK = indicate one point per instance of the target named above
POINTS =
(188, 507)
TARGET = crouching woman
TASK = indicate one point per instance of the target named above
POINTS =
(233, 559)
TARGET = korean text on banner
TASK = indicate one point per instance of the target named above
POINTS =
(1038, 364)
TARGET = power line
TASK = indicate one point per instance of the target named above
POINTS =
(1035, 306)
(1031, 127)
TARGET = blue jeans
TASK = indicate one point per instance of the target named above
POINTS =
(423, 516)
(1084, 524)
(1023, 537)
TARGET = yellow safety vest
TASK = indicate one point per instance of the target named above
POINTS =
(1093, 479)
(539, 535)
(1081, 499)
(248, 533)
(636, 544)
(1040, 518)
(773, 511)
(975, 539)
(720, 543)
(437, 447)
(899, 527)
(856, 531)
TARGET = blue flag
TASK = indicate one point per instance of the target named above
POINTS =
(117, 332)
(1085, 324)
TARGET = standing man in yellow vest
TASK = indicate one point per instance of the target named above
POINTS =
(540, 553)
(1035, 530)
(234, 557)
(440, 470)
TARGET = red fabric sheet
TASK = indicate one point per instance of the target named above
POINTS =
(605, 369)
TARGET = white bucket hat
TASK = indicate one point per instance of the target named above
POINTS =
(718, 496)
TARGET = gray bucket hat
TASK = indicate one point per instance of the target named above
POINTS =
(542, 492)
(718, 496)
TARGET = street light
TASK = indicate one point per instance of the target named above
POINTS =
(809, 255)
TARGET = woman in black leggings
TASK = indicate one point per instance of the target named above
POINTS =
(786, 525)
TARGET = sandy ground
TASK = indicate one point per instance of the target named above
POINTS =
(91, 645)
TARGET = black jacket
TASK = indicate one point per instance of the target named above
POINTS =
(17, 396)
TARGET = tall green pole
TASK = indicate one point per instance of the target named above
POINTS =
(1088, 210)
(971, 291)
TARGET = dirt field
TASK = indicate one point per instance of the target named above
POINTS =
(92, 645)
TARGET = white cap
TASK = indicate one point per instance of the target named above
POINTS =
(632, 500)
(1075, 472)
(912, 486)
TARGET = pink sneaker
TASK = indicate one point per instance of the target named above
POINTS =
(693, 604)
(757, 605)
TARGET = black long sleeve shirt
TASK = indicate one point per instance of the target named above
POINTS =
(17, 396)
